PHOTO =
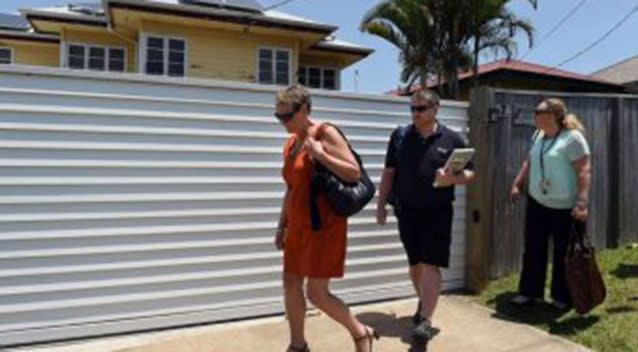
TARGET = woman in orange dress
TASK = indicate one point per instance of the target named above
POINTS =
(313, 256)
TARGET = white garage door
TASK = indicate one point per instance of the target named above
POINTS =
(131, 203)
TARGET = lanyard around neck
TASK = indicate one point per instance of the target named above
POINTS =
(543, 151)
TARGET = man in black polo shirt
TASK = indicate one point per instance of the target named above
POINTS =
(415, 158)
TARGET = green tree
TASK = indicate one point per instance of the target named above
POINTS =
(439, 38)
(494, 27)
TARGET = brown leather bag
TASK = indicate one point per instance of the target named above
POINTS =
(586, 285)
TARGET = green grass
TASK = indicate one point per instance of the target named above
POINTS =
(612, 326)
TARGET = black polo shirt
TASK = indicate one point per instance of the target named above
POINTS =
(416, 162)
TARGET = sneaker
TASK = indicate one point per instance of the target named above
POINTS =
(521, 300)
(417, 318)
(560, 305)
(424, 330)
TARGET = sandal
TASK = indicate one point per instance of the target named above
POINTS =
(370, 335)
(304, 348)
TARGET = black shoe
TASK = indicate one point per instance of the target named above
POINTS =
(424, 330)
(417, 318)
(521, 300)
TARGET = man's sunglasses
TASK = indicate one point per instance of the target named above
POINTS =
(420, 108)
(285, 117)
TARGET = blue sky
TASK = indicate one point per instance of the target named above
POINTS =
(379, 72)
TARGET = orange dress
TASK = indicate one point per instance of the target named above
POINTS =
(308, 253)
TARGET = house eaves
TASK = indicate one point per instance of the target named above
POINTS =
(267, 19)
(58, 15)
(29, 36)
(339, 46)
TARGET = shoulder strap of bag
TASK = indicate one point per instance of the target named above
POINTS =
(321, 131)
(402, 132)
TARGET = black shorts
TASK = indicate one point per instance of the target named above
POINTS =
(426, 234)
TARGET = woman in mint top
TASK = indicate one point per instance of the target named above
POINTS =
(558, 175)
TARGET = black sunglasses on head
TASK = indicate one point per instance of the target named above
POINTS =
(285, 117)
(420, 108)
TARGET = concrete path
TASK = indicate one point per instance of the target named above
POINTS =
(465, 326)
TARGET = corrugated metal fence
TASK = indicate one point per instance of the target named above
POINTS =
(502, 126)
(131, 203)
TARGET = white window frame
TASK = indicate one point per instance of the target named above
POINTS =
(274, 50)
(321, 69)
(143, 49)
(11, 54)
(65, 56)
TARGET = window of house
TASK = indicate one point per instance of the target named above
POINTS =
(165, 56)
(95, 58)
(274, 66)
(76, 57)
(318, 77)
(6, 56)
(117, 60)
(329, 80)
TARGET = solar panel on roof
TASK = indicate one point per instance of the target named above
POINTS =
(13, 22)
(87, 8)
(241, 5)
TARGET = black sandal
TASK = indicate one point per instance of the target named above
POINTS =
(370, 335)
(292, 348)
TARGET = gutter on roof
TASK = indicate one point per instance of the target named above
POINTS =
(28, 36)
(34, 15)
(342, 49)
(223, 16)
(14, 29)
(66, 20)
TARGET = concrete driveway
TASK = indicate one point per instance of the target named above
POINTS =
(465, 326)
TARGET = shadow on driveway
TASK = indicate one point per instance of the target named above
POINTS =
(391, 326)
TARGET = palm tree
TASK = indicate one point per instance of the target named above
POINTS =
(439, 38)
(409, 26)
(494, 28)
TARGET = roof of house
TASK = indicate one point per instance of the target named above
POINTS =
(625, 71)
(13, 22)
(16, 27)
(528, 67)
(520, 67)
(80, 12)
(242, 5)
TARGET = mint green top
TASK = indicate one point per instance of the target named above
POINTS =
(570, 145)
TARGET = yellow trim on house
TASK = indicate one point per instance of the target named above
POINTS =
(33, 53)
(221, 54)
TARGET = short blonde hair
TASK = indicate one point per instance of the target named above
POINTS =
(429, 96)
(296, 95)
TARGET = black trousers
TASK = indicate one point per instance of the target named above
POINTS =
(541, 223)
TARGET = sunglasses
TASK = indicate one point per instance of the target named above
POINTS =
(420, 108)
(286, 117)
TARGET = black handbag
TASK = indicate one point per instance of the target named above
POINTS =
(346, 199)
